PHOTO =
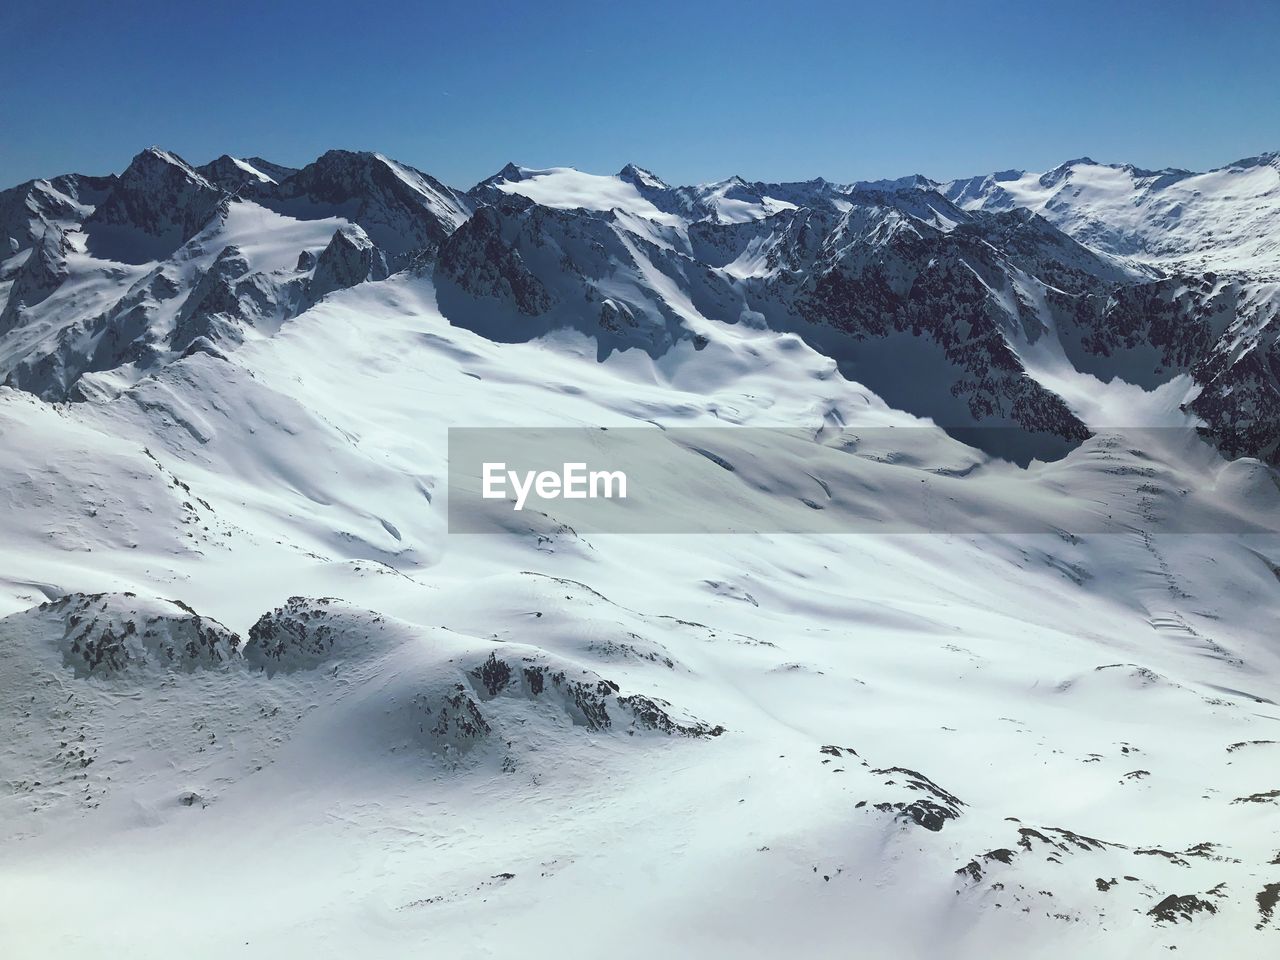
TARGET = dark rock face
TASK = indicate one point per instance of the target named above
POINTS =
(40, 274)
(486, 265)
(652, 714)
(101, 342)
(494, 675)
(276, 171)
(295, 636)
(235, 175)
(487, 191)
(925, 289)
(108, 634)
(917, 312)
(400, 209)
(930, 815)
(158, 204)
(1174, 908)
(1240, 399)
(228, 174)
(458, 718)
(518, 270)
(349, 258)
(30, 209)
(1267, 898)
(1145, 332)
(230, 297)
(214, 295)
(641, 179)
(591, 702)
(932, 811)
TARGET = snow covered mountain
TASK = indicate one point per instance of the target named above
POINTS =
(247, 672)
(1225, 220)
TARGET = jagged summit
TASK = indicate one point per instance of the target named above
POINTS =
(491, 188)
(915, 181)
(31, 209)
(1269, 159)
(231, 173)
(400, 208)
(158, 203)
(349, 258)
(276, 171)
(642, 177)
(510, 171)
(1064, 170)
(154, 157)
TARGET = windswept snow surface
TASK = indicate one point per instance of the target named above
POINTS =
(252, 170)
(566, 188)
(256, 700)
(734, 201)
(1225, 219)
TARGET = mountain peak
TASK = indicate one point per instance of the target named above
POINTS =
(345, 158)
(350, 258)
(1270, 159)
(276, 171)
(1063, 170)
(231, 173)
(914, 181)
(511, 173)
(401, 209)
(160, 153)
(641, 177)
(734, 182)
(159, 202)
(155, 161)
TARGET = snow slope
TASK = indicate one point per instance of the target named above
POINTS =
(566, 188)
(1227, 219)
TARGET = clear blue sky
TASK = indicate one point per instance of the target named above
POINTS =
(694, 90)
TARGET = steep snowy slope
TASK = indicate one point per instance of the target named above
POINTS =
(841, 727)
(28, 210)
(566, 188)
(158, 204)
(231, 174)
(925, 304)
(1224, 220)
(401, 209)
(258, 699)
(171, 261)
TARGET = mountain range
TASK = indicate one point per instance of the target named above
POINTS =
(984, 284)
